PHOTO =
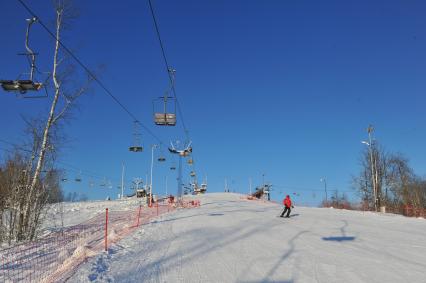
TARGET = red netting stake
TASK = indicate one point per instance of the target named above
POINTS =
(139, 214)
(8, 267)
(106, 229)
(21, 267)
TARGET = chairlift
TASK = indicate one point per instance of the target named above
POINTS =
(78, 178)
(161, 158)
(192, 174)
(166, 117)
(182, 152)
(137, 145)
(24, 85)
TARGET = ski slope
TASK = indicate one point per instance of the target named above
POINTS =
(229, 239)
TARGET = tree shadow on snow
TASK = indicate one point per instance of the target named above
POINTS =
(220, 212)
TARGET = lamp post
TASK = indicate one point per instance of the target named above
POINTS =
(152, 165)
(373, 179)
(325, 189)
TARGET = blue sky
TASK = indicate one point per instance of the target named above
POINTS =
(281, 88)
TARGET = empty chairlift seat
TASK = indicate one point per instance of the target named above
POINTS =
(165, 119)
(136, 148)
(20, 85)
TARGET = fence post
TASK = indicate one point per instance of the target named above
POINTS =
(106, 229)
(157, 206)
(139, 214)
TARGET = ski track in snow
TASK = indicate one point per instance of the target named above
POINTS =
(229, 239)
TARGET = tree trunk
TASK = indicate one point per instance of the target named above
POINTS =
(41, 156)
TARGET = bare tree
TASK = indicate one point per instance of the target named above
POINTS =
(396, 184)
(371, 180)
(33, 179)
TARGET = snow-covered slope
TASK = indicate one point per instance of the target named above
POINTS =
(72, 213)
(229, 239)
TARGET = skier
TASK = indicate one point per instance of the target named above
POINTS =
(287, 205)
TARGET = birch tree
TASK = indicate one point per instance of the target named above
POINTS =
(65, 95)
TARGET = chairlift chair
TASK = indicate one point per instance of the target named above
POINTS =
(190, 161)
(20, 85)
(161, 157)
(164, 118)
(192, 174)
(24, 85)
(78, 177)
(136, 147)
(182, 152)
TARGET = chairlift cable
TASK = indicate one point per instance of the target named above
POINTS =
(67, 166)
(89, 72)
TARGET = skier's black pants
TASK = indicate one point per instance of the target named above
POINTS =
(286, 209)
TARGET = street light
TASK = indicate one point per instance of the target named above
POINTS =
(152, 165)
(325, 188)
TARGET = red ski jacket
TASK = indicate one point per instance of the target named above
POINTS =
(287, 202)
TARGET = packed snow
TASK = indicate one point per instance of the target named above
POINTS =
(232, 239)
(73, 213)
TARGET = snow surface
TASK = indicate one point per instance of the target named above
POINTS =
(73, 213)
(230, 239)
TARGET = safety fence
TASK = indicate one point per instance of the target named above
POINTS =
(54, 258)
(406, 210)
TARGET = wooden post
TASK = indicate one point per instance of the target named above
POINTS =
(106, 229)
(139, 214)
